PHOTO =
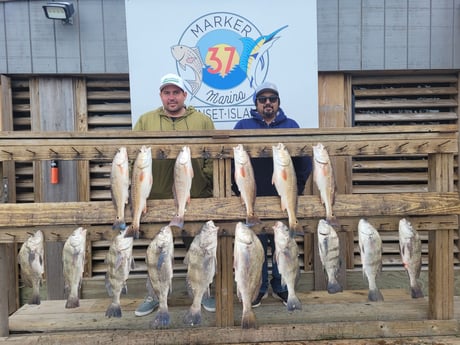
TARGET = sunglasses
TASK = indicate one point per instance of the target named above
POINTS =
(263, 99)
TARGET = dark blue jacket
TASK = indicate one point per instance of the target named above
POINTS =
(263, 167)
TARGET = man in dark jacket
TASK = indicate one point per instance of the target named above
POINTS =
(268, 114)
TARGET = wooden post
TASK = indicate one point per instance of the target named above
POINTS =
(4, 269)
(440, 244)
(224, 275)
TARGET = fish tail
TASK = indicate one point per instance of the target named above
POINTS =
(35, 299)
(119, 224)
(334, 287)
(252, 220)
(192, 317)
(114, 310)
(72, 302)
(416, 291)
(293, 303)
(161, 320)
(132, 232)
(375, 295)
(177, 221)
(333, 221)
(248, 320)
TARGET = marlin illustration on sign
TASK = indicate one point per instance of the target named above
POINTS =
(254, 51)
(190, 56)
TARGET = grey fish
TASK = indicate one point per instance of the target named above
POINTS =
(183, 175)
(73, 263)
(329, 251)
(201, 264)
(370, 246)
(287, 258)
(119, 186)
(285, 181)
(160, 259)
(119, 261)
(141, 184)
(30, 258)
(246, 182)
(323, 176)
(410, 246)
(248, 258)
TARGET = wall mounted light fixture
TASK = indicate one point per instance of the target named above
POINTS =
(59, 10)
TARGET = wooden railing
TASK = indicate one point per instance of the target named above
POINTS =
(441, 144)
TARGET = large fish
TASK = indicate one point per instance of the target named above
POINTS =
(323, 175)
(410, 246)
(30, 258)
(141, 184)
(183, 175)
(119, 184)
(246, 182)
(248, 258)
(329, 251)
(370, 247)
(160, 259)
(119, 261)
(287, 258)
(73, 264)
(285, 181)
(201, 264)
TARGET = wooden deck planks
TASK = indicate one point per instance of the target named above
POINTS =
(345, 315)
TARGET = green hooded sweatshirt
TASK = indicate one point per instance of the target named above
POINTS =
(163, 169)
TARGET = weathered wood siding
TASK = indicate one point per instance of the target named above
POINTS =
(353, 35)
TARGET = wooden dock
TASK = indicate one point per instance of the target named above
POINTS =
(343, 318)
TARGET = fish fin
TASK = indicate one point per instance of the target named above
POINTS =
(177, 221)
(333, 221)
(161, 320)
(284, 174)
(108, 286)
(248, 320)
(133, 264)
(124, 289)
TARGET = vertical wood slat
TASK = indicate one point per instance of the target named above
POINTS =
(440, 244)
(335, 110)
(55, 103)
(6, 123)
(224, 274)
(4, 305)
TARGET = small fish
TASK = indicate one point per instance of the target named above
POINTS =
(190, 56)
(285, 181)
(183, 175)
(323, 175)
(410, 246)
(329, 251)
(287, 258)
(246, 182)
(119, 261)
(30, 258)
(370, 247)
(248, 258)
(73, 263)
(141, 184)
(160, 259)
(201, 264)
(119, 184)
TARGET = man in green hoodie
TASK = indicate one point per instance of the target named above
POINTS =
(174, 115)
